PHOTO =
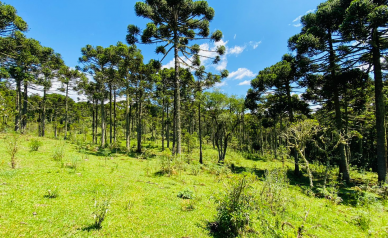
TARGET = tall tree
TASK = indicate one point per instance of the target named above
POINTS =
(175, 24)
(69, 78)
(96, 62)
(319, 38)
(365, 24)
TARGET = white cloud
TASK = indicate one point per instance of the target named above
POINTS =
(236, 50)
(241, 73)
(255, 44)
(246, 82)
(298, 18)
(218, 85)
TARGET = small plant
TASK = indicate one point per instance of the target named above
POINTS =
(52, 193)
(363, 220)
(35, 144)
(59, 153)
(13, 148)
(186, 194)
(100, 210)
(235, 208)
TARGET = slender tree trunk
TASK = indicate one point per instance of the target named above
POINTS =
(380, 109)
(168, 129)
(343, 166)
(67, 109)
(139, 124)
(163, 124)
(25, 105)
(178, 96)
(114, 117)
(96, 127)
(93, 121)
(18, 105)
(110, 114)
(128, 123)
(43, 117)
(102, 124)
(200, 133)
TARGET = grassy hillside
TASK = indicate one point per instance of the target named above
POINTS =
(46, 196)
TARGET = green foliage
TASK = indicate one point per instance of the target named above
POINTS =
(52, 193)
(236, 206)
(101, 208)
(35, 144)
(59, 152)
(186, 194)
(13, 144)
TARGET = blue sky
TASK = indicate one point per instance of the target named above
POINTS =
(255, 31)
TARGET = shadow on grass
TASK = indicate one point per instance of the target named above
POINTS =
(240, 169)
(92, 227)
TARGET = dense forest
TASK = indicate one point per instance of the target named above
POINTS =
(339, 61)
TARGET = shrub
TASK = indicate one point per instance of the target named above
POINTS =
(12, 148)
(186, 194)
(59, 153)
(35, 144)
(52, 193)
(100, 210)
(235, 208)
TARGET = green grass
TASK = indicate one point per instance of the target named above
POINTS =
(144, 203)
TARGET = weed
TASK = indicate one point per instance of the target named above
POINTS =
(52, 193)
(186, 194)
(100, 211)
(13, 144)
(363, 220)
(235, 207)
(35, 144)
(59, 153)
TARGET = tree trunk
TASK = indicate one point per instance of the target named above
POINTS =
(168, 129)
(163, 124)
(200, 133)
(380, 109)
(343, 165)
(178, 96)
(93, 121)
(67, 109)
(128, 123)
(102, 124)
(110, 114)
(114, 117)
(139, 124)
(25, 105)
(18, 104)
(43, 117)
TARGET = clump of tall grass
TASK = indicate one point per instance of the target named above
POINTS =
(35, 144)
(13, 145)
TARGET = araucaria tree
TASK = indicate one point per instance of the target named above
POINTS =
(174, 23)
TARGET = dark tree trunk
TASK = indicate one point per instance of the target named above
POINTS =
(18, 104)
(67, 109)
(114, 117)
(128, 123)
(343, 165)
(380, 109)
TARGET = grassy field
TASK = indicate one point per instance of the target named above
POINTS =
(46, 196)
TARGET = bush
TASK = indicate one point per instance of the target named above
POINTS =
(59, 153)
(35, 144)
(52, 193)
(13, 144)
(100, 210)
(186, 194)
(236, 206)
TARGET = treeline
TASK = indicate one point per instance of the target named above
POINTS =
(337, 60)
